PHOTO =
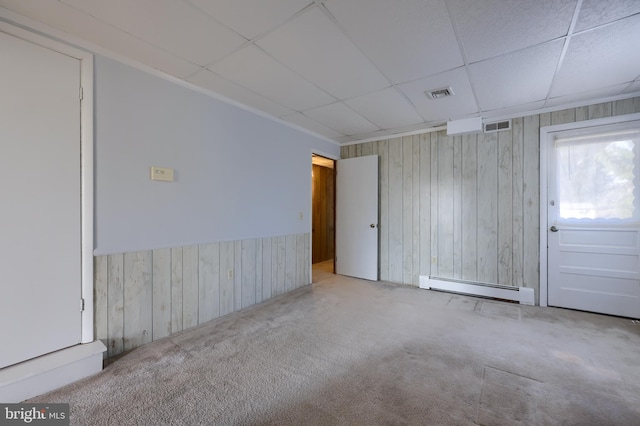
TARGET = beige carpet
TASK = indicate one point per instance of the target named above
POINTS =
(351, 352)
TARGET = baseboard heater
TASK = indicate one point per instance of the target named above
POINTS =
(522, 295)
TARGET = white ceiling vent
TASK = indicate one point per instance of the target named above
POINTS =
(442, 92)
(498, 126)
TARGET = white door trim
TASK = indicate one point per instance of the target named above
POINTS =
(86, 163)
(546, 134)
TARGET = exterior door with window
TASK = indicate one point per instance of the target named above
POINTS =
(593, 219)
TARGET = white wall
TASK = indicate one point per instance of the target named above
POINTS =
(238, 175)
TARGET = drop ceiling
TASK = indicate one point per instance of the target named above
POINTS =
(357, 69)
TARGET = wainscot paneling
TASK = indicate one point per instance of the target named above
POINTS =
(144, 296)
(467, 207)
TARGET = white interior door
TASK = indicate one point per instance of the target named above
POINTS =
(594, 219)
(357, 217)
(40, 186)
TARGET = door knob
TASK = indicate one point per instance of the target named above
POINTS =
(373, 225)
(553, 229)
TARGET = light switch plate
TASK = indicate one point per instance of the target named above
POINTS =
(163, 174)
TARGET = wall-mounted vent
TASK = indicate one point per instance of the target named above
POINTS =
(498, 126)
(442, 92)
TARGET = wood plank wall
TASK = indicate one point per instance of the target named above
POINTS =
(143, 296)
(467, 207)
(323, 203)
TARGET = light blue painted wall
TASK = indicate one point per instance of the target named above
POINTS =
(238, 175)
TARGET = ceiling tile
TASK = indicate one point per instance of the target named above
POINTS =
(252, 68)
(517, 78)
(173, 25)
(251, 18)
(584, 96)
(215, 83)
(494, 27)
(313, 46)
(386, 109)
(599, 58)
(406, 39)
(339, 117)
(598, 12)
(85, 27)
(461, 103)
(304, 121)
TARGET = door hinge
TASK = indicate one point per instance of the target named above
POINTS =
(82, 305)
(81, 93)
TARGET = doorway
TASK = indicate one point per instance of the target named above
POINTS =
(323, 195)
(590, 218)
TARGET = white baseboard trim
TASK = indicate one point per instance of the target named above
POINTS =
(522, 295)
(48, 372)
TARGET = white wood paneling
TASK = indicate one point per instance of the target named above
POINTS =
(138, 297)
(176, 290)
(227, 288)
(248, 267)
(115, 296)
(395, 222)
(190, 284)
(161, 293)
(208, 282)
(144, 296)
(101, 298)
(470, 203)
(424, 211)
(469, 194)
(505, 207)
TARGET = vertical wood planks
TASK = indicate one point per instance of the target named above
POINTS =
(248, 279)
(138, 312)
(487, 208)
(258, 271)
(415, 198)
(469, 194)
(505, 207)
(518, 213)
(383, 152)
(531, 195)
(227, 282)
(425, 204)
(190, 286)
(300, 259)
(395, 223)
(100, 298)
(290, 263)
(237, 275)
(434, 204)
(280, 265)
(445, 206)
(407, 209)
(267, 268)
(209, 282)
(176, 290)
(115, 296)
(457, 207)
(161, 282)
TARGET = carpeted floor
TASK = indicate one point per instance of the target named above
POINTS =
(348, 352)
